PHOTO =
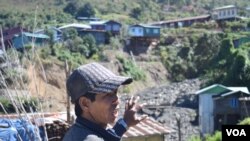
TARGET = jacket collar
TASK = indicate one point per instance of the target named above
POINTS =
(105, 134)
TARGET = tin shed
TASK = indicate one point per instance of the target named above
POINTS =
(219, 105)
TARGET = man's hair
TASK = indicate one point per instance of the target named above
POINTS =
(78, 109)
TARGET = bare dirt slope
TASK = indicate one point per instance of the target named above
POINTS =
(51, 89)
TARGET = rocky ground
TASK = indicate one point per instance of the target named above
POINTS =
(175, 105)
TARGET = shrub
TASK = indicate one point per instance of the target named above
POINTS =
(245, 121)
(115, 43)
(195, 138)
(215, 137)
(130, 69)
(29, 105)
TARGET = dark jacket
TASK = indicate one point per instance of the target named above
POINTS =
(85, 130)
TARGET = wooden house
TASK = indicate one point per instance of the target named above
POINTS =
(110, 26)
(220, 105)
(56, 33)
(182, 22)
(8, 35)
(99, 35)
(229, 12)
(28, 39)
(144, 31)
(142, 38)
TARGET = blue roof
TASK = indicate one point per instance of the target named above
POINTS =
(35, 35)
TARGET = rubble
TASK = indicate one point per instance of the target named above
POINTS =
(175, 105)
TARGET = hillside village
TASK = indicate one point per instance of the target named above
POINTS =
(204, 109)
(102, 31)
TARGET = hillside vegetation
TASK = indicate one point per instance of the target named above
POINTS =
(54, 12)
(201, 51)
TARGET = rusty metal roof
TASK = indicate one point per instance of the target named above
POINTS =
(147, 127)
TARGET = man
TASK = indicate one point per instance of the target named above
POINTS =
(93, 90)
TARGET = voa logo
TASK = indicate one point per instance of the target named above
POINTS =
(236, 132)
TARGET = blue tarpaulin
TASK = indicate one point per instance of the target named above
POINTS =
(18, 130)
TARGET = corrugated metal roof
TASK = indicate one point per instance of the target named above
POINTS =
(242, 89)
(225, 7)
(147, 127)
(36, 35)
(76, 25)
(215, 88)
(146, 26)
(181, 19)
(97, 22)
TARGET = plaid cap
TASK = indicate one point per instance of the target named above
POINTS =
(93, 78)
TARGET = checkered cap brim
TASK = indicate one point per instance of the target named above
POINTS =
(93, 78)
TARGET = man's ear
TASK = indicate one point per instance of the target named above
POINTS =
(84, 103)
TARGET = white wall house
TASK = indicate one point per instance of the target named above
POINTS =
(142, 30)
(136, 31)
(225, 12)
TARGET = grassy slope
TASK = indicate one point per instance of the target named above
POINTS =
(108, 7)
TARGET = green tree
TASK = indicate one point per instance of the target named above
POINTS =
(86, 11)
(50, 33)
(207, 48)
(71, 8)
(90, 42)
(70, 33)
(136, 12)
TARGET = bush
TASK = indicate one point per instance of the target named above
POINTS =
(215, 137)
(130, 69)
(6, 105)
(115, 43)
(195, 138)
(245, 121)
(29, 105)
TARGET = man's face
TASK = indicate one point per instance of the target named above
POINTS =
(105, 108)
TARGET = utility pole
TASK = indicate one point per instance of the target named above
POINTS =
(67, 72)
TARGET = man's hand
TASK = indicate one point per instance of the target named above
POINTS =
(131, 108)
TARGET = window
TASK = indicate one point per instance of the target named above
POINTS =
(108, 27)
(147, 30)
(232, 12)
(140, 30)
(116, 27)
(155, 31)
(234, 103)
(228, 13)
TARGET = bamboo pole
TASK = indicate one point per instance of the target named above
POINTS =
(67, 72)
